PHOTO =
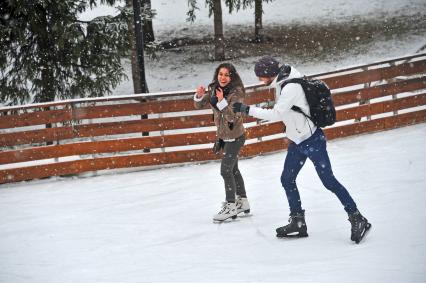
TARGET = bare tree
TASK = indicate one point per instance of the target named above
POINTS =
(215, 9)
(219, 44)
(258, 15)
(258, 26)
(148, 30)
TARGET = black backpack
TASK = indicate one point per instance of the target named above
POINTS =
(319, 99)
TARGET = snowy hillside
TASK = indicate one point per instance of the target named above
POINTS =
(186, 68)
(156, 226)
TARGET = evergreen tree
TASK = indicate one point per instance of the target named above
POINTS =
(48, 54)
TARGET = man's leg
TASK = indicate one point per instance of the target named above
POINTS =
(316, 149)
(294, 161)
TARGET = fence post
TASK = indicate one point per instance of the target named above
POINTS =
(394, 96)
(163, 149)
(365, 101)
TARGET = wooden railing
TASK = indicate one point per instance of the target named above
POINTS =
(106, 133)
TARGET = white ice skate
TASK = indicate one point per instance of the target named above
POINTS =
(242, 205)
(228, 210)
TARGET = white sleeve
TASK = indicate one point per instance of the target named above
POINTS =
(285, 102)
(222, 104)
(196, 99)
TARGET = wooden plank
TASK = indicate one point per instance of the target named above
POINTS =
(381, 107)
(156, 107)
(110, 128)
(263, 147)
(383, 73)
(38, 117)
(375, 125)
(353, 96)
(128, 144)
(260, 96)
(36, 136)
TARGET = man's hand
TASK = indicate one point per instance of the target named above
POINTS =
(240, 107)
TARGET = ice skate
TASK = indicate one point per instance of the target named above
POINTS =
(229, 210)
(296, 227)
(360, 226)
(242, 205)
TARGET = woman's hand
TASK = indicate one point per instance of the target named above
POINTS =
(219, 94)
(201, 90)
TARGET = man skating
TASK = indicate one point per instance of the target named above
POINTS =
(307, 141)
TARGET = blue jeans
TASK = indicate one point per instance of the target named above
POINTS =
(315, 149)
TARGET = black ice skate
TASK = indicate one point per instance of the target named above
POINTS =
(296, 227)
(360, 226)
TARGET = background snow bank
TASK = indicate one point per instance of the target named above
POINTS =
(186, 68)
(171, 14)
(155, 226)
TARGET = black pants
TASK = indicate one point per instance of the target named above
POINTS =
(234, 183)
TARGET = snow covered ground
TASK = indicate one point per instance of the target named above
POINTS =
(156, 226)
(180, 70)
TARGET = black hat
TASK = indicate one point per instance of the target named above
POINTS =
(266, 67)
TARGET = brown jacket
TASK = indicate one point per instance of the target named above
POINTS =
(229, 124)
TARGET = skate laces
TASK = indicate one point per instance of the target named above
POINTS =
(224, 207)
(356, 220)
(239, 203)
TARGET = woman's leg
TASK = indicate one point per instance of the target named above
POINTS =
(239, 182)
(233, 179)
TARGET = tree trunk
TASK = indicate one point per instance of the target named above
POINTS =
(258, 28)
(219, 44)
(137, 20)
(133, 54)
(45, 64)
(148, 30)
(47, 77)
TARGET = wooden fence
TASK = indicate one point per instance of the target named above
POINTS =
(82, 135)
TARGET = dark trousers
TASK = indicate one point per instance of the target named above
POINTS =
(313, 148)
(234, 183)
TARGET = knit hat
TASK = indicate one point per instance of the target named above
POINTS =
(267, 67)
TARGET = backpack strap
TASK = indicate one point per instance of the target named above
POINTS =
(300, 81)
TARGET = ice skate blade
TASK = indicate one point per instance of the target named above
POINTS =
(300, 235)
(366, 230)
(246, 212)
(245, 215)
(229, 219)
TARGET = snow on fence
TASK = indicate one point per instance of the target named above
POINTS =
(83, 135)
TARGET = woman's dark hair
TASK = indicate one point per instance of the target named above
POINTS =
(235, 77)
